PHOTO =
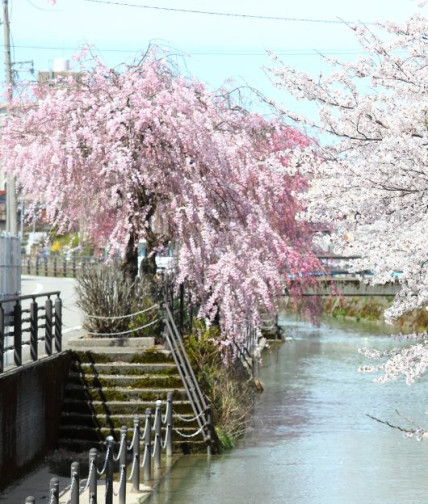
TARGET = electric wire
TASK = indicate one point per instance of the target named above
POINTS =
(226, 14)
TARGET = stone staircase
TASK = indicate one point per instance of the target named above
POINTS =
(107, 386)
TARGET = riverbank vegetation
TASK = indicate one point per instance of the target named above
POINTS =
(372, 309)
(228, 385)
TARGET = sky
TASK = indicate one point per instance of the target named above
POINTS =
(223, 40)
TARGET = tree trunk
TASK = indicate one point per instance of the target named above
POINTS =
(129, 264)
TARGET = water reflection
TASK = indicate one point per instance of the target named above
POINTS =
(311, 441)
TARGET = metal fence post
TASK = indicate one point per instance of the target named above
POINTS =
(122, 482)
(169, 425)
(148, 446)
(181, 309)
(158, 435)
(122, 464)
(48, 326)
(93, 475)
(1, 338)
(109, 470)
(46, 267)
(136, 454)
(123, 434)
(75, 483)
(54, 491)
(33, 329)
(210, 423)
(17, 333)
(64, 267)
(58, 324)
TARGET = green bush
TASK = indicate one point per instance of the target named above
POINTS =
(228, 387)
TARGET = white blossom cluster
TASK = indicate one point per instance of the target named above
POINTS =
(372, 183)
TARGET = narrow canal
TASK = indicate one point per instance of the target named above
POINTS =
(311, 441)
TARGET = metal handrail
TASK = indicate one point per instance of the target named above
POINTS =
(200, 407)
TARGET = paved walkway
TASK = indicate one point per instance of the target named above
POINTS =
(37, 483)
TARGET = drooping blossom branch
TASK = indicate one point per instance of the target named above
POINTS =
(416, 432)
(144, 153)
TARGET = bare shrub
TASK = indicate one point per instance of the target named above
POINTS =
(107, 296)
(103, 291)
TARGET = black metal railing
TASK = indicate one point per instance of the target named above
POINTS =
(25, 322)
(125, 464)
(194, 393)
(176, 314)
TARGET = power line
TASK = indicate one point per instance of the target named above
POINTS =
(227, 14)
(282, 52)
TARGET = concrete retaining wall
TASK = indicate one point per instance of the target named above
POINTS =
(30, 409)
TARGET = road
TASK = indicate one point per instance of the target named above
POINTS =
(71, 315)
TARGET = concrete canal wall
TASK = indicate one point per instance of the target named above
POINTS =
(30, 407)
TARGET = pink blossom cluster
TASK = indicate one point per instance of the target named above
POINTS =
(148, 153)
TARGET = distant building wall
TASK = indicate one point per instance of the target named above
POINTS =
(30, 411)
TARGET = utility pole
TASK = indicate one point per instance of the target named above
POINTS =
(11, 204)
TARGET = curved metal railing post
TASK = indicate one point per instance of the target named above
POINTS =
(169, 425)
(122, 483)
(109, 470)
(136, 454)
(54, 491)
(209, 429)
(148, 446)
(93, 476)
(158, 435)
(122, 454)
(30, 500)
(75, 482)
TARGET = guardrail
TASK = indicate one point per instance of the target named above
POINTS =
(122, 469)
(173, 333)
(196, 398)
(57, 266)
(23, 315)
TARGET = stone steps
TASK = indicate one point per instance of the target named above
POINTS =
(108, 386)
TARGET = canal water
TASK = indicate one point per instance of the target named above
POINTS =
(311, 441)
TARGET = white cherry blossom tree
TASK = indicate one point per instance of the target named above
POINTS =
(372, 125)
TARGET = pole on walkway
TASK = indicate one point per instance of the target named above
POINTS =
(109, 470)
(122, 483)
(93, 475)
(54, 491)
(169, 425)
(11, 205)
(158, 434)
(136, 454)
(75, 483)
(148, 446)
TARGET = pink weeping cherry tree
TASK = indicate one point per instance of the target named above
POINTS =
(143, 153)
(372, 117)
